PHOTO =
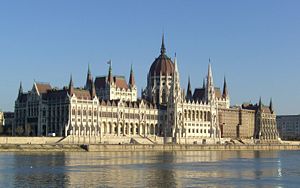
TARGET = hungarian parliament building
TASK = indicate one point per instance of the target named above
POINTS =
(107, 109)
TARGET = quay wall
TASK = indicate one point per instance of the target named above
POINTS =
(29, 140)
(169, 147)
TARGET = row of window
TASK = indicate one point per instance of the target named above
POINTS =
(198, 131)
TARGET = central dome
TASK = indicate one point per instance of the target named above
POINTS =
(163, 64)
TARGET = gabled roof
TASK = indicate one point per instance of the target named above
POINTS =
(43, 87)
(120, 82)
(82, 94)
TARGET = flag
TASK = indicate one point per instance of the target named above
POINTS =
(109, 62)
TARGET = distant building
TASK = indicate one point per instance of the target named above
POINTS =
(289, 127)
(265, 122)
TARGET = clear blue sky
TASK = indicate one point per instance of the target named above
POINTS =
(256, 44)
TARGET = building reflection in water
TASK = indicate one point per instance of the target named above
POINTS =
(39, 170)
(143, 169)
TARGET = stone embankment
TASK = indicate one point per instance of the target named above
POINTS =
(60, 144)
(41, 148)
(170, 147)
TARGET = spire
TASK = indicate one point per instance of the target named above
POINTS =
(271, 105)
(20, 89)
(260, 104)
(163, 49)
(210, 81)
(89, 79)
(131, 77)
(110, 77)
(189, 90)
(71, 86)
(209, 89)
(225, 90)
(175, 63)
(89, 70)
(203, 85)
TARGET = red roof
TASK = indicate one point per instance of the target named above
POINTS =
(43, 87)
(163, 64)
(120, 82)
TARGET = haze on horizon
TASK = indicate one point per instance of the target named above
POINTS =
(255, 44)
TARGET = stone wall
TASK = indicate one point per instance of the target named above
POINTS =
(236, 122)
(170, 147)
(29, 140)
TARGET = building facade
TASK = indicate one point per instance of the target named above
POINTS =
(265, 129)
(109, 107)
(237, 122)
(288, 127)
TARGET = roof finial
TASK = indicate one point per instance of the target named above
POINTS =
(225, 90)
(89, 70)
(71, 86)
(189, 90)
(163, 49)
(271, 105)
(110, 77)
(260, 103)
(131, 77)
(20, 88)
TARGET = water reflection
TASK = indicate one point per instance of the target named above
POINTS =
(149, 169)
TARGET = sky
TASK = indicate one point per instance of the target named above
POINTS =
(255, 44)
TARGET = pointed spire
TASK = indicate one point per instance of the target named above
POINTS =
(71, 86)
(209, 76)
(271, 105)
(20, 90)
(163, 49)
(89, 70)
(225, 90)
(131, 77)
(260, 103)
(110, 76)
(203, 85)
(175, 63)
(189, 90)
(89, 79)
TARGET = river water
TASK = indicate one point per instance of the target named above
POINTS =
(151, 169)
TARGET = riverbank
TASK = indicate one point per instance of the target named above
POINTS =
(138, 147)
(42, 148)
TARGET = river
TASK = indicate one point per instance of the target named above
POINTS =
(151, 169)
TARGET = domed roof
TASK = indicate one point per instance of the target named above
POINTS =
(163, 64)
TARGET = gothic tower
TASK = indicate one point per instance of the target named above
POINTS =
(160, 77)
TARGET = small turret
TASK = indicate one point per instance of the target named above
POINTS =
(225, 90)
(271, 106)
(209, 89)
(110, 76)
(20, 90)
(89, 79)
(259, 104)
(131, 78)
(189, 90)
(71, 86)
